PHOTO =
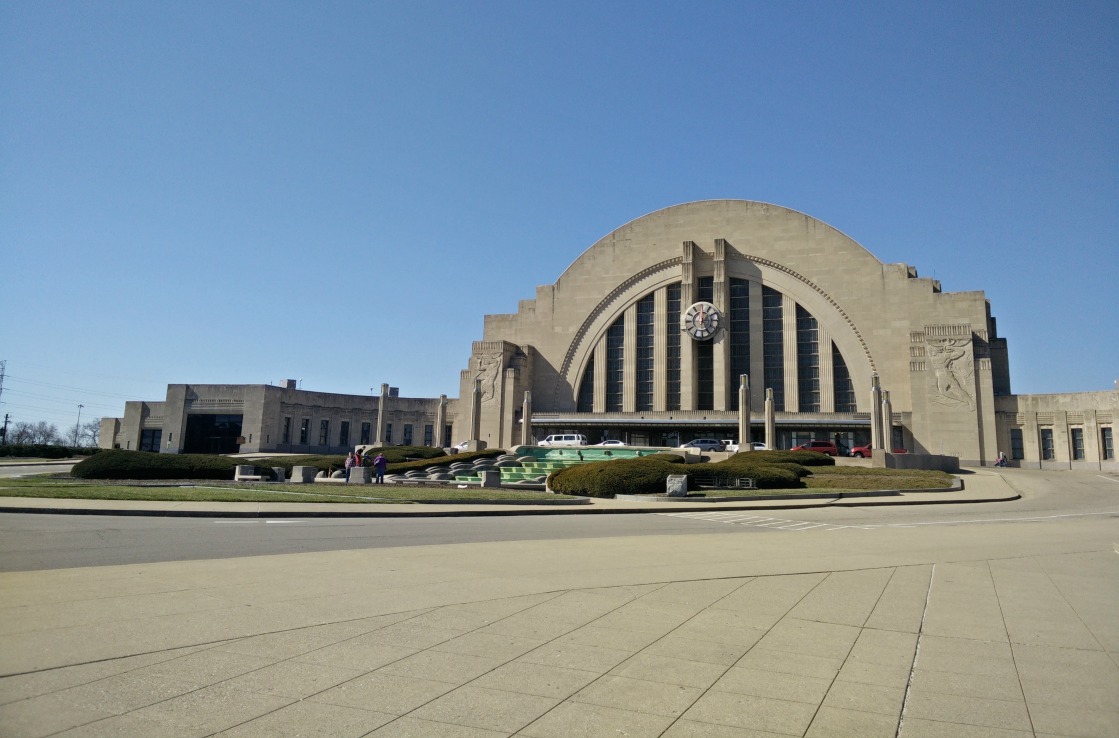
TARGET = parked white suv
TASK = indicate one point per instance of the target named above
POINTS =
(565, 439)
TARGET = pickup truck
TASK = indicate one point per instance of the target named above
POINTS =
(731, 446)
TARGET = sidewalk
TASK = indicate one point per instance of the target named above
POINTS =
(979, 486)
(946, 631)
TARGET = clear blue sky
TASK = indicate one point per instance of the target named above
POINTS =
(217, 192)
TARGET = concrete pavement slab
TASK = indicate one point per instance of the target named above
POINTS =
(624, 693)
(844, 597)
(328, 721)
(758, 683)
(902, 605)
(408, 727)
(678, 645)
(747, 711)
(835, 722)
(917, 728)
(539, 679)
(682, 672)
(394, 694)
(968, 710)
(731, 637)
(489, 709)
(581, 718)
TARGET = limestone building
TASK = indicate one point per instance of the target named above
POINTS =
(647, 336)
(250, 418)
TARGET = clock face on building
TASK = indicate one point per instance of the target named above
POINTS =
(701, 321)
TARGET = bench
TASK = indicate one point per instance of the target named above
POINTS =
(244, 473)
(714, 482)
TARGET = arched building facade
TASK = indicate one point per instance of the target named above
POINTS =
(645, 336)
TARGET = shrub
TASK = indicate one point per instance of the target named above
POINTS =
(666, 456)
(765, 477)
(641, 476)
(804, 458)
(37, 450)
(119, 464)
(648, 475)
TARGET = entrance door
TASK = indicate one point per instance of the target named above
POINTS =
(212, 434)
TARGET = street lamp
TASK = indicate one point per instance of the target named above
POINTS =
(78, 426)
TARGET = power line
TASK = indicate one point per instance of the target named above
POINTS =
(70, 387)
(55, 398)
(48, 411)
(87, 372)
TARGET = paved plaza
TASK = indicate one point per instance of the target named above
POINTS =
(962, 630)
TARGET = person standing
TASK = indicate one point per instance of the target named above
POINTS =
(380, 463)
(349, 463)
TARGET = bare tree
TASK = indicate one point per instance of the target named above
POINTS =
(90, 433)
(30, 433)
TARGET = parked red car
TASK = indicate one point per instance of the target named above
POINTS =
(820, 447)
(863, 452)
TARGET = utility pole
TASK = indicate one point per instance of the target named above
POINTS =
(78, 426)
(3, 433)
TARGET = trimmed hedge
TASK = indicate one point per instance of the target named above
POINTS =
(119, 464)
(804, 458)
(44, 451)
(640, 476)
(649, 475)
(666, 456)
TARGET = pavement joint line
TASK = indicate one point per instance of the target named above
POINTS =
(555, 595)
(1010, 640)
(708, 689)
(1073, 609)
(916, 653)
(559, 593)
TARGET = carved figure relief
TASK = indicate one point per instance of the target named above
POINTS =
(953, 372)
(486, 368)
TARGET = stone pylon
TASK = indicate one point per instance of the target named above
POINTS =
(526, 420)
(744, 439)
(770, 421)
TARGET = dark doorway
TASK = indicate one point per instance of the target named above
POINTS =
(212, 434)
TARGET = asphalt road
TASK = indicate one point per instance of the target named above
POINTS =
(35, 542)
(25, 470)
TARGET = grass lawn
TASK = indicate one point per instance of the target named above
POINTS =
(824, 478)
(857, 478)
(218, 491)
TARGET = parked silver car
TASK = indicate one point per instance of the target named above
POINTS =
(705, 444)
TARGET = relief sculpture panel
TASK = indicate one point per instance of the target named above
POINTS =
(487, 368)
(951, 371)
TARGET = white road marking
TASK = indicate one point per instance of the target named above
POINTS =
(1110, 479)
(758, 521)
(255, 522)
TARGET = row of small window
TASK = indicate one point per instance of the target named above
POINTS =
(1076, 444)
(344, 433)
